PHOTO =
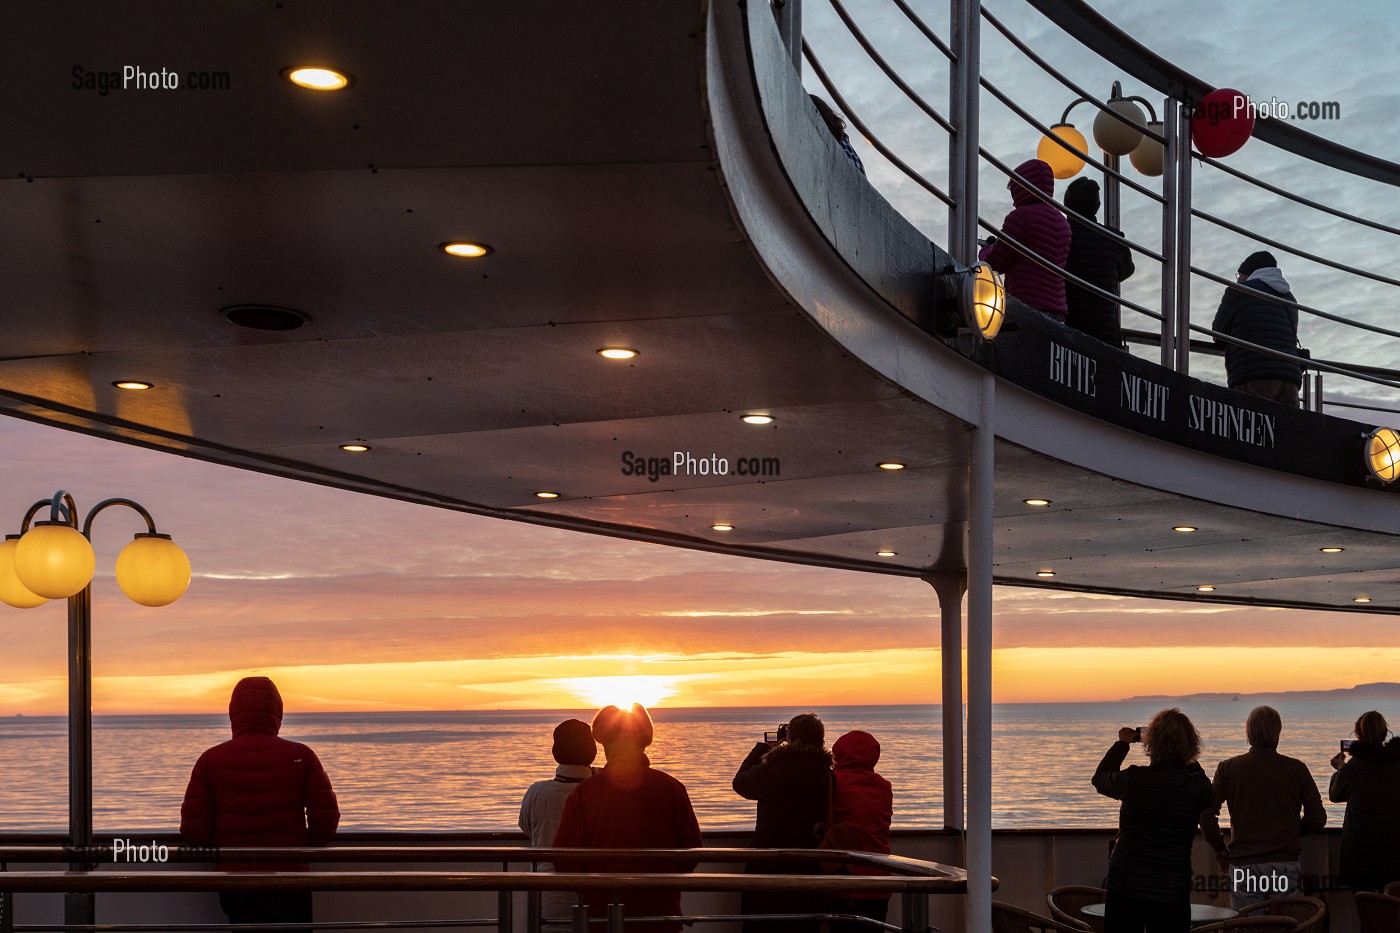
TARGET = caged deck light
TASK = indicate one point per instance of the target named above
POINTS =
(1383, 454)
(982, 297)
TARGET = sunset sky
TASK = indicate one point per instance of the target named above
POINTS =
(352, 602)
(357, 603)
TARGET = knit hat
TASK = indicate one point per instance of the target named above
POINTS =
(573, 743)
(1082, 197)
(612, 724)
(1257, 261)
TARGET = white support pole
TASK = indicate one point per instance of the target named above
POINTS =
(981, 482)
(950, 588)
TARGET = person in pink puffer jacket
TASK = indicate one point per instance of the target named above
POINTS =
(1041, 228)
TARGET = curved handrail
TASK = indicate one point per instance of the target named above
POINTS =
(1302, 254)
(884, 66)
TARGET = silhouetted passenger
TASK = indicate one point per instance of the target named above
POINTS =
(1265, 792)
(1040, 228)
(792, 782)
(1263, 322)
(1097, 258)
(1369, 784)
(259, 790)
(543, 804)
(629, 805)
(838, 129)
(1149, 872)
(861, 811)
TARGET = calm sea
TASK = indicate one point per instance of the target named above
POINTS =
(466, 771)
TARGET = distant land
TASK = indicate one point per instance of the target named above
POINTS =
(1379, 691)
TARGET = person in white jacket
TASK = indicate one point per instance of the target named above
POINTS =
(543, 804)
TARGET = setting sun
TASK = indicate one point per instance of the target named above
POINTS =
(622, 691)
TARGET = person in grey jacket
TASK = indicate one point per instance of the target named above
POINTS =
(1266, 323)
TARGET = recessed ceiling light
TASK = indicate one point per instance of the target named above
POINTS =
(618, 353)
(1184, 529)
(465, 250)
(757, 419)
(546, 494)
(1331, 550)
(1045, 573)
(355, 448)
(1206, 589)
(264, 317)
(891, 465)
(722, 526)
(1361, 599)
(317, 78)
(886, 553)
(1036, 502)
(135, 385)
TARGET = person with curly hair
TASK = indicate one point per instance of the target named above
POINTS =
(1369, 784)
(1149, 870)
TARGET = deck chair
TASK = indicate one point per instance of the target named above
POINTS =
(1307, 911)
(1067, 900)
(1250, 924)
(1009, 919)
(1379, 913)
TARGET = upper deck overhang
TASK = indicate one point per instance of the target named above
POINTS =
(646, 180)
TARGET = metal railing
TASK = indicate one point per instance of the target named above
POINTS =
(912, 879)
(1177, 269)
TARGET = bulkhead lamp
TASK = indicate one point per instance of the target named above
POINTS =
(1383, 454)
(152, 570)
(13, 592)
(1062, 162)
(983, 300)
(54, 560)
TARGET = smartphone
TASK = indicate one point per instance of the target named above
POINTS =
(771, 738)
(1346, 746)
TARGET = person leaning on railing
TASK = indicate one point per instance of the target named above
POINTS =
(1369, 784)
(1040, 228)
(542, 807)
(1260, 321)
(862, 806)
(1098, 258)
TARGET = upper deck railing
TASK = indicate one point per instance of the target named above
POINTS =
(1333, 287)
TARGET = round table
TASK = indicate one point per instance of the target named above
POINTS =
(1200, 913)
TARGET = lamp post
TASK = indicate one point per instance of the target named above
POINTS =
(53, 559)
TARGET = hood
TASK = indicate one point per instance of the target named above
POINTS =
(1367, 751)
(1270, 276)
(1082, 197)
(255, 707)
(1036, 172)
(856, 750)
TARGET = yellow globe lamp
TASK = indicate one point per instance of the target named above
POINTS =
(54, 560)
(1147, 157)
(1383, 454)
(983, 301)
(1114, 136)
(13, 592)
(1062, 162)
(152, 570)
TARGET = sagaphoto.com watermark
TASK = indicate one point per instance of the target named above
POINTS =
(103, 81)
(686, 463)
(1238, 106)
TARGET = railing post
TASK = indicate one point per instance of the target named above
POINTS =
(1183, 249)
(913, 909)
(617, 918)
(580, 918)
(789, 16)
(1317, 392)
(505, 911)
(963, 108)
(7, 906)
(1171, 124)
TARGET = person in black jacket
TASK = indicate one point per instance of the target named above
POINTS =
(1149, 872)
(1263, 322)
(1369, 784)
(792, 782)
(1097, 258)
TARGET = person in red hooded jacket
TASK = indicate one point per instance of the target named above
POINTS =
(259, 790)
(862, 804)
(1040, 228)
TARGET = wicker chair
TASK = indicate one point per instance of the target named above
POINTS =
(1307, 911)
(1009, 919)
(1251, 924)
(1379, 913)
(1068, 900)
(1392, 889)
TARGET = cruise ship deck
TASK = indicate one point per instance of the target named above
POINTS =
(272, 262)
